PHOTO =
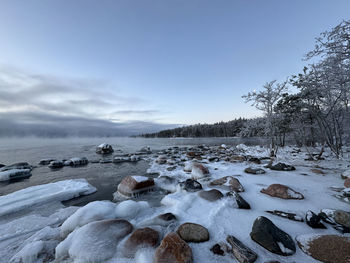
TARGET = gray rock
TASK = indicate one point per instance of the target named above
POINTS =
(251, 170)
(269, 236)
(191, 185)
(56, 164)
(314, 220)
(281, 167)
(290, 216)
(191, 232)
(242, 253)
(241, 203)
(211, 195)
(342, 217)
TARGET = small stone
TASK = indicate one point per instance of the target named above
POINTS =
(191, 185)
(241, 203)
(242, 253)
(211, 195)
(290, 216)
(217, 250)
(251, 170)
(173, 249)
(191, 232)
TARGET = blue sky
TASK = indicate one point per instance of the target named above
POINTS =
(178, 61)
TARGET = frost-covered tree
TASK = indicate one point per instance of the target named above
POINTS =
(265, 100)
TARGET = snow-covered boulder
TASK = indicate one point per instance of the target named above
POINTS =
(121, 159)
(134, 185)
(130, 208)
(145, 149)
(78, 161)
(94, 211)
(56, 164)
(94, 242)
(15, 171)
(104, 148)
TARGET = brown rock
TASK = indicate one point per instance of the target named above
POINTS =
(237, 158)
(342, 218)
(229, 183)
(140, 238)
(347, 183)
(251, 170)
(326, 248)
(201, 167)
(317, 171)
(282, 191)
(173, 250)
(131, 185)
(191, 232)
(211, 195)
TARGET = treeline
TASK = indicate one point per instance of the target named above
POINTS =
(240, 127)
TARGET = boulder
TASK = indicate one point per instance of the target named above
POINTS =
(342, 217)
(251, 170)
(104, 148)
(325, 248)
(198, 171)
(211, 195)
(140, 238)
(314, 220)
(290, 216)
(146, 149)
(133, 185)
(173, 249)
(56, 164)
(242, 253)
(241, 203)
(282, 191)
(228, 183)
(281, 167)
(191, 185)
(269, 236)
(191, 232)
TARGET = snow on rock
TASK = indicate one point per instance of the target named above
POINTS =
(14, 174)
(130, 208)
(41, 194)
(104, 148)
(94, 242)
(94, 211)
(134, 185)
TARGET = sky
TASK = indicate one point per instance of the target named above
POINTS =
(150, 64)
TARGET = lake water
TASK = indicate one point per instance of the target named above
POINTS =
(104, 176)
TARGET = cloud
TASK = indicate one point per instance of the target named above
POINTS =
(44, 105)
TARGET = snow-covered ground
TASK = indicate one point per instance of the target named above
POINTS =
(38, 234)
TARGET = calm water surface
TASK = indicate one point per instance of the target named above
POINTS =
(104, 176)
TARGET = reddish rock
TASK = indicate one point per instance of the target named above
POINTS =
(326, 248)
(347, 183)
(282, 191)
(173, 250)
(229, 183)
(133, 185)
(317, 171)
(140, 238)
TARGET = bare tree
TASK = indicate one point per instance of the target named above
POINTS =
(265, 100)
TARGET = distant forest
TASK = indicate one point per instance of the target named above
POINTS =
(238, 127)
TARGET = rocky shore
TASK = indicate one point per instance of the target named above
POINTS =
(219, 204)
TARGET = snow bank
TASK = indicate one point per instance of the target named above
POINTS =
(41, 194)
(130, 208)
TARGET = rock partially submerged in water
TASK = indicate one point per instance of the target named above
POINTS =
(104, 148)
(46, 161)
(56, 164)
(15, 171)
(76, 161)
(132, 186)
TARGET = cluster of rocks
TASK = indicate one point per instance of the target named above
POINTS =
(57, 164)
